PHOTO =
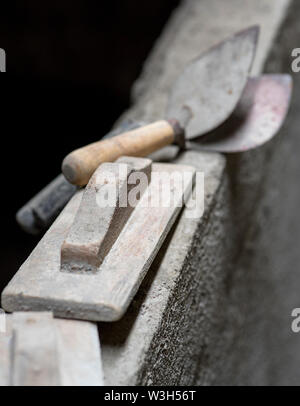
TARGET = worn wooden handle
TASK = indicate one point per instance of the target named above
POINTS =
(80, 164)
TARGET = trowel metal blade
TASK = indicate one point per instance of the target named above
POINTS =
(256, 119)
(211, 85)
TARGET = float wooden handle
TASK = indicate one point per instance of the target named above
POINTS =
(80, 164)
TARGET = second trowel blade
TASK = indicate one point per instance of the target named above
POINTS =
(211, 86)
(256, 119)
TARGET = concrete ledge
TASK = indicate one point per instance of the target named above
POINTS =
(184, 326)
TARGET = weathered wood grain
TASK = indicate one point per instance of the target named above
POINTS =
(38, 350)
(35, 353)
(79, 353)
(97, 224)
(79, 165)
(106, 294)
(5, 353)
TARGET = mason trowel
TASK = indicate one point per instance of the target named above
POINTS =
(201, 99)
(257, 117)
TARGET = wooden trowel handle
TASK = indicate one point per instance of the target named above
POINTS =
(80, 164)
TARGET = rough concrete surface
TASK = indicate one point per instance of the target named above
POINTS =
(264, 289)
(151, 338)
(215, 307)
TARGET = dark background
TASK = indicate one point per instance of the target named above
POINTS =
(70, 67)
